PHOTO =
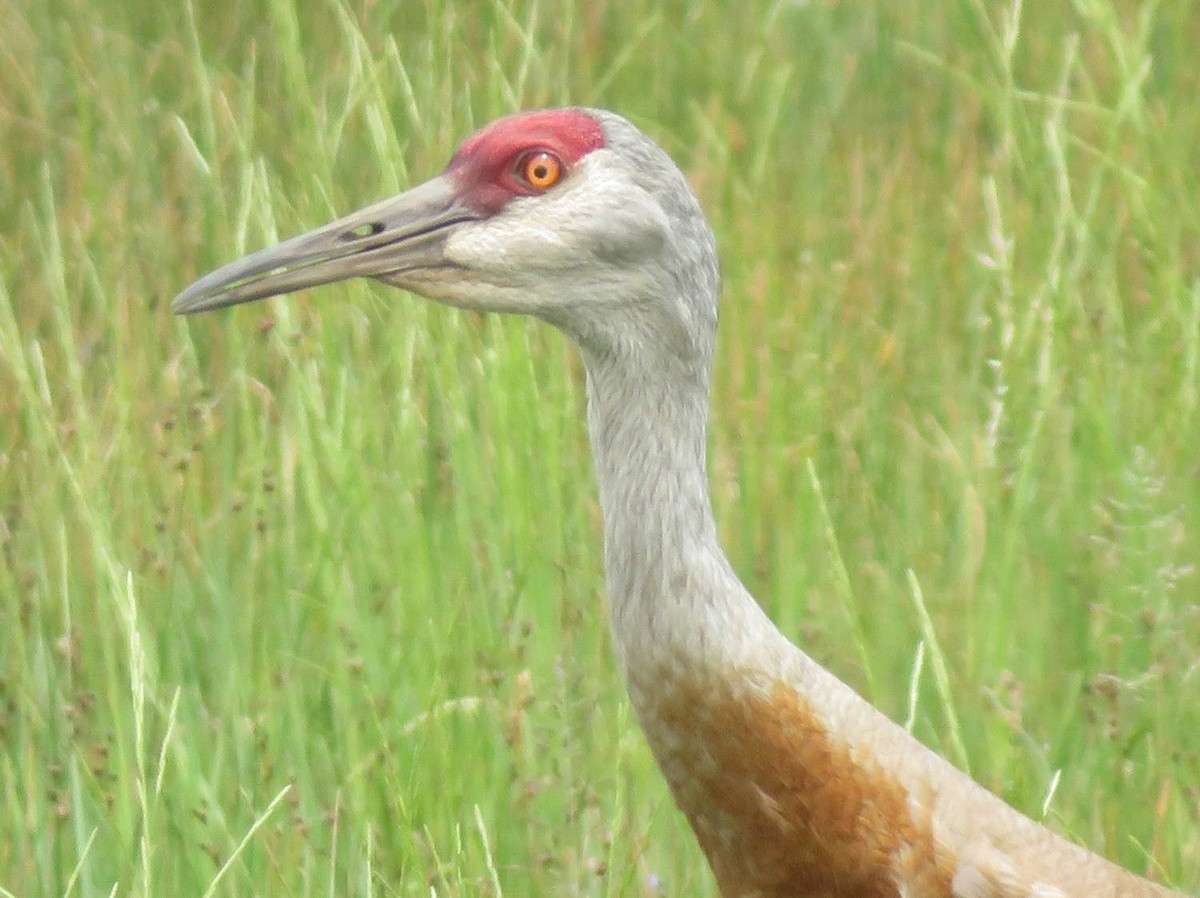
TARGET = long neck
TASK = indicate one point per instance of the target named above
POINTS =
(669, 582)
(648, 436)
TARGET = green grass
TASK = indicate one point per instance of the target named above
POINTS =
(306, 598)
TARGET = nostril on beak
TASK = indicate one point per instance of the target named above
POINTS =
(365, 230)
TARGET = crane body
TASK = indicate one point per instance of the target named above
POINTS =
(795, 786)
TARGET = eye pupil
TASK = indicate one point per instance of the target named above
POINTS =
(540, 170)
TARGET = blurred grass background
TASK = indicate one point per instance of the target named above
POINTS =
(306, 598)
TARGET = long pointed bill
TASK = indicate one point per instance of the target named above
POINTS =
(405, 233)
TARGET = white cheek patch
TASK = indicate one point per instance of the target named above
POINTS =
(503, 245)
(594, 219)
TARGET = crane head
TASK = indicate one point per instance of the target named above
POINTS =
(568, 214)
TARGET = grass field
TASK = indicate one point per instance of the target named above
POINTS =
(306, 599)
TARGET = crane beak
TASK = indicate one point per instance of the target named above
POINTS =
(405, 234)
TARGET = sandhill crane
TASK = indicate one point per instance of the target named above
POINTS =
(794, 784)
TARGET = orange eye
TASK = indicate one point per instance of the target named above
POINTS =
(541, 170)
